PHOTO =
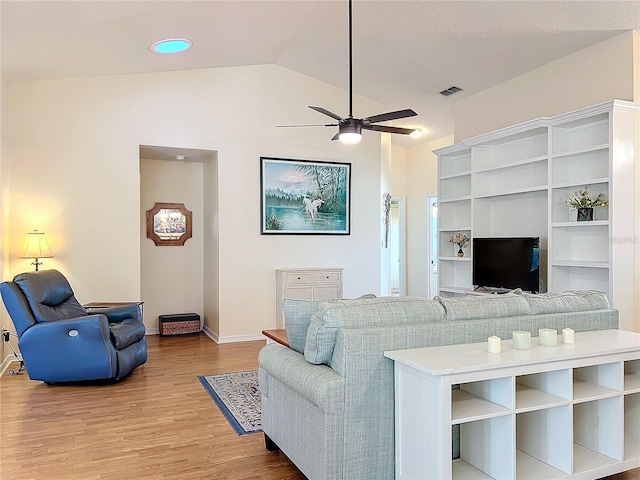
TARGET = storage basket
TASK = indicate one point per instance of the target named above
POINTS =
(179, 323)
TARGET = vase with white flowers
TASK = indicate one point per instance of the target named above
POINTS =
(460, 240)
(584, 201)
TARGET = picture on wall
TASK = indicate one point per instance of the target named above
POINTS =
(304, 197)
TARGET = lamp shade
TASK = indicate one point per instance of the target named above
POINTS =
(36, 246)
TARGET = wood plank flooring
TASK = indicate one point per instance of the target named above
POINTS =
(158, 423)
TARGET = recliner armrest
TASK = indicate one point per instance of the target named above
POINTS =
(117, 314)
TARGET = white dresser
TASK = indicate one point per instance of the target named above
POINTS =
(306, 284)
(571, 411)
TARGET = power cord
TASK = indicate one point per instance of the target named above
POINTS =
(6, 336)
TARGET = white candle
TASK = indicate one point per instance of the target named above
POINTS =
(568, 335)
(495, 344)
(522, 340)
(548, 337)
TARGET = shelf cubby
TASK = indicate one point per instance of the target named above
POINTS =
(560, 212)
(520, 147)
(454, 214)
(455, 163)
(632, 426)
(632, 376)
(580, 134)
(518, 215)
(544, 435)
(597, 381)
(482, 447)
(454, 275)
(477, 400)
(580, 243)
(597, 433)
(580, 276)
(455, 187)
(580, 168)
(542, 390)
(505, 180)
(448, 250)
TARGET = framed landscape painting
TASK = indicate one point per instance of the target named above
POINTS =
(304, 197)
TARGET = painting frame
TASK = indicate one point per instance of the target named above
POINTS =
(180, 217)
(304, 197)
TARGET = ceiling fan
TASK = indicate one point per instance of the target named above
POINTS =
(349, 128)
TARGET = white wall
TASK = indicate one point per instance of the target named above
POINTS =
(422, 180)
(171, 277)
(590, 76)
(74, 170)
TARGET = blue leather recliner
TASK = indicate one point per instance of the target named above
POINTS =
(61, 342)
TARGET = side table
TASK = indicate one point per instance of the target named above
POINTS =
(277, 335)
(99, 305)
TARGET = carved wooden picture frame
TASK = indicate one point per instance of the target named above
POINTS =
(169, 224)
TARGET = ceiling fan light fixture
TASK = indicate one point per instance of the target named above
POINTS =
(350, 134)
(417, 133)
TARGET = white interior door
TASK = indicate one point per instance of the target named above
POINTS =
(432, 244)
(397, 246)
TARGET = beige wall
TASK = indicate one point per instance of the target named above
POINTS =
(74, 166)
(4, 318)
(594, 75)
(422, 180)
(171, 277)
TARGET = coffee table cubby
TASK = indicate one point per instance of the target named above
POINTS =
(571, 411)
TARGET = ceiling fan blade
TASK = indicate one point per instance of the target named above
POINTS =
(385, 129)
(308, 125)
(326, 112)
(385, 117)
(336, 136)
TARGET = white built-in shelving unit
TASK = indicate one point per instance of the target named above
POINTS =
(513, 182)
(571, 411)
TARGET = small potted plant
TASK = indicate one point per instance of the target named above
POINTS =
(583, 201)
(460, 240)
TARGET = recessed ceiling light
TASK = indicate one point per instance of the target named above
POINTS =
(171, 45)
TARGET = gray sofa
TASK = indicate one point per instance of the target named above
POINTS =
(328, 401)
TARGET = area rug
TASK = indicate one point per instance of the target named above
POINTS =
(237, 395)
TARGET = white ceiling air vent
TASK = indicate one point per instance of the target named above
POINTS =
(451, 91)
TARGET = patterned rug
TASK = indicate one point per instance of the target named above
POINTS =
(237, 395)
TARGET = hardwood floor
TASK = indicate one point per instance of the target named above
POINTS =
(158, 423)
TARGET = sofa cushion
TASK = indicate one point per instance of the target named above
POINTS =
(484, 306)
(297, 317)
(376, 312)
(569, 301)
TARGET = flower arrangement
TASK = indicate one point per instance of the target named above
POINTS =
(461, 240)
(584, 199)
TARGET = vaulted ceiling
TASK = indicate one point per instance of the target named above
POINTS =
(405, 52)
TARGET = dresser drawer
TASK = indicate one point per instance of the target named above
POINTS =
(293, 278)
(326, 277)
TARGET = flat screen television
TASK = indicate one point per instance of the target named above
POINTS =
(506, 263)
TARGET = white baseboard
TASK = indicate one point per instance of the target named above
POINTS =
(233, 339)
(214, 336)
(9, 359)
